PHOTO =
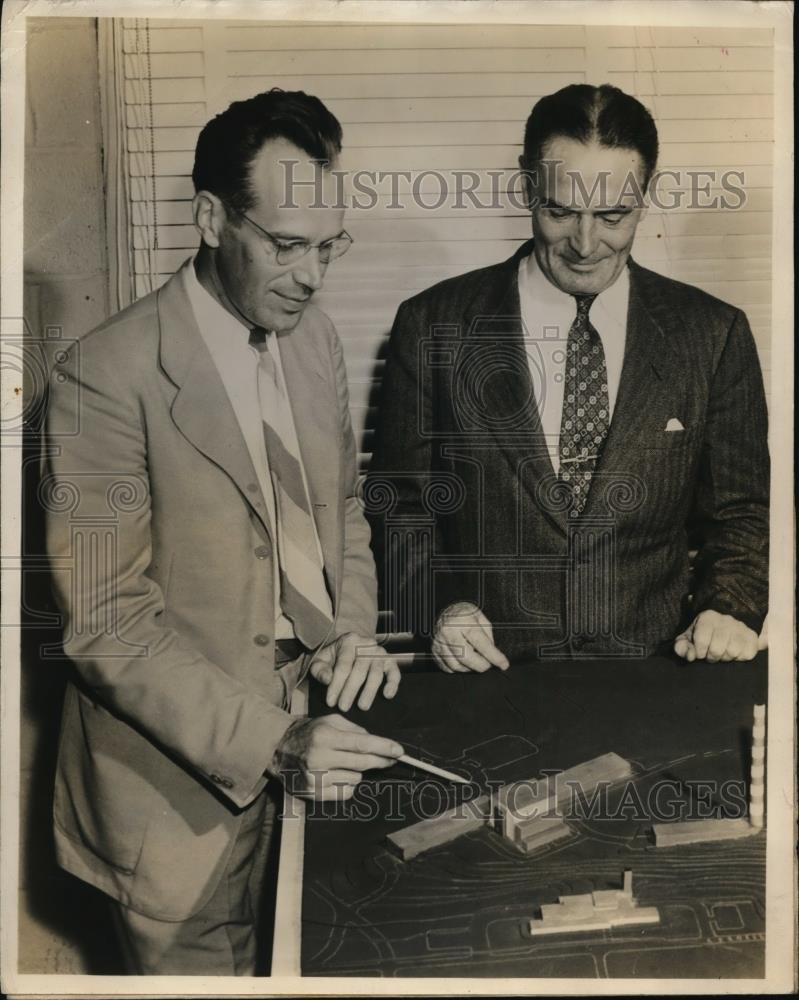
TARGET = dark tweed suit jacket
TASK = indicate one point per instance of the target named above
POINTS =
(465, 504)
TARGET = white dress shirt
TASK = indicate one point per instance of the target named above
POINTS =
(547, 316)
(237, 363)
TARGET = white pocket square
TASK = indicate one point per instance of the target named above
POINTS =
(674, 425)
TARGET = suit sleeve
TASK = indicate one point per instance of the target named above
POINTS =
(357, 604)
(403, 466)
(732, 499)
(149, 675)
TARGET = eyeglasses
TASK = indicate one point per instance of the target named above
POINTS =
(286, 252)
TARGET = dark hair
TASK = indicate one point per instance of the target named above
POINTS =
(586, 113)
(229, 142)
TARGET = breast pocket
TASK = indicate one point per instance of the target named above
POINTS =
(667, 441)
(665, 464)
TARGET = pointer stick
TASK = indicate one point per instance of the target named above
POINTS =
(423, 766)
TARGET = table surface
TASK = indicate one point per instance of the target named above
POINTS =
(462, 909)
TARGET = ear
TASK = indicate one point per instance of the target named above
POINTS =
(643, 207)
(209, 217)
(527, 183)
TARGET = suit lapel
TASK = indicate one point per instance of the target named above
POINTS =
(649, 369)
(495, 361)
(201, 408)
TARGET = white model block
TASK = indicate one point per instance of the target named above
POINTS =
(700, 831)
(593, 911)
(523, 800)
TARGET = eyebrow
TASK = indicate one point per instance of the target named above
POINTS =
(616, 210)
(301, 239)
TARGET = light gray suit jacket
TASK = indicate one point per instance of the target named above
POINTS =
(162, 560)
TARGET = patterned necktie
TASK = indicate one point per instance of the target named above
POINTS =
(585, 420)
(303, 595)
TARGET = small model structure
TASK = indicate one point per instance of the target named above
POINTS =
(696, 831)
(593, 911)
(705, 830)
(413, 840)
(534, 833)
(526, 813)
(757, 785)
(523, 800)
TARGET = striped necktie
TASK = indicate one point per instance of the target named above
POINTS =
(304, 598)
(585, 419)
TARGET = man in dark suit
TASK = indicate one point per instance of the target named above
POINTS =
(558, 432)
(209, 551)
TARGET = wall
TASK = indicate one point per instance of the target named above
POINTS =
(66, 288)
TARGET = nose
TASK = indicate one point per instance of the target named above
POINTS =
(583, 240)
(310, 270)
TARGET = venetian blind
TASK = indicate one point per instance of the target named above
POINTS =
(452, 97)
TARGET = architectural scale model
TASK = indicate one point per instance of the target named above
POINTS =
(593, 911)
(528, 814)
(412, 840)
(531, 813)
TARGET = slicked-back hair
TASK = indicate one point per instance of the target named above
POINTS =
(605, 115)
(229, 143)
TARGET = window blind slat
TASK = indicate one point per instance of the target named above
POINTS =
(167, 65)
(489, 132)
(649, 84)
(310, 37)
(165, 39)
(694, 58)
(529, 85)
(714, 37)
(185, 91)
(718, 106)
(168, 115)
(410, 62)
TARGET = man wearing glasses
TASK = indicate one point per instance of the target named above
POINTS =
(213, 441)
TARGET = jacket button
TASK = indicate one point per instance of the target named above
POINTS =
(219, 780)
(262, 552)
(252, 487)
(261, 639)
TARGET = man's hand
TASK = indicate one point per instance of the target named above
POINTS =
(713, 637)
(464, 641)
(353, 663)
(325, 758)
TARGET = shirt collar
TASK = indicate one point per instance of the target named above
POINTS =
(610, 305)
(216, 324)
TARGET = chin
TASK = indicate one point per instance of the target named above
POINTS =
(283, 322)
(577, 285)
(584, 284)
